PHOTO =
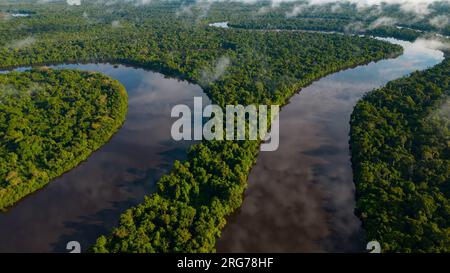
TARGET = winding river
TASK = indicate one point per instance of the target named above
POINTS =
(300, 198)
(88, 200)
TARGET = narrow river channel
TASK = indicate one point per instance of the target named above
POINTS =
(300, 198)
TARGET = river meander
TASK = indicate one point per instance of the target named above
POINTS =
(300, 198)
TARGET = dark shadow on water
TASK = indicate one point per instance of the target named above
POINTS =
(323, 150)
(88, 228)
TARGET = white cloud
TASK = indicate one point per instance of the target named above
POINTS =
(431, 43)
(336, 8)
(354, 27)
(22, 42)
(296, 10)
(115, 24)
(184, 10)
(414, 6)
(382, 21)
(200, 9)
(142, 2)
(210, 75)
(74, 2)
(418, 7)
(439, 21)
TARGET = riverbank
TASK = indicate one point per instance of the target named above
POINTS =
(301, 198)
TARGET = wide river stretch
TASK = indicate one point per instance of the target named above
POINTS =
(300, 198)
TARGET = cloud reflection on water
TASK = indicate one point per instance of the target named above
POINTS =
(301, 197)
